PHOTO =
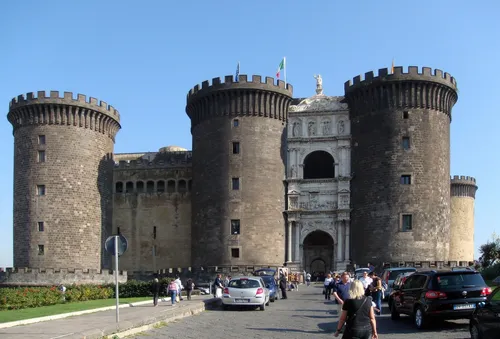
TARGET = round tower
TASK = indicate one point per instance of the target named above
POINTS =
(463, 194)
(63, 172)
(400, 125)
(239, 137)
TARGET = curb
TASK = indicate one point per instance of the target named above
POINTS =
(70, 314)
(128, 328)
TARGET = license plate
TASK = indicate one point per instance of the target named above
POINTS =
(464, 306)
(241, 300)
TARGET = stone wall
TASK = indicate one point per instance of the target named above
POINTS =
(52, 277)
(462, 229)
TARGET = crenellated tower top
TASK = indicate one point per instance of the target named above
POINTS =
(463, 186)
(64, 110)
(424, 90)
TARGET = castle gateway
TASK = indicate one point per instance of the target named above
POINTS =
(319, 182)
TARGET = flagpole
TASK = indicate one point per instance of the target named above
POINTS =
(284, 68)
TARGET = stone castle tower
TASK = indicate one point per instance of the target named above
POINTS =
(400, 125)
(238, 168)
(63, 172)
(463, 194)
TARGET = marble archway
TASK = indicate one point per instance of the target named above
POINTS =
(318, 246)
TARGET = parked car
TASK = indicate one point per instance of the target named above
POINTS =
(246, 291)
(439, 295)
(358, 273)
(401, 278)
(390, 274)
(485, 321)
(272, 287)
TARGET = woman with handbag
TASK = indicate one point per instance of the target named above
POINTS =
(357, 315)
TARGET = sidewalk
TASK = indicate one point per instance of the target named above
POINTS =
(133, 319)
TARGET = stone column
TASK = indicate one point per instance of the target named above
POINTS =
(340, 242)
(347, 226)
(289, 243)
(297, 242)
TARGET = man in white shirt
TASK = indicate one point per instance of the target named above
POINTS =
(328, 288)
(365, 280)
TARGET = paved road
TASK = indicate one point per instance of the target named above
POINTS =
(302, 315)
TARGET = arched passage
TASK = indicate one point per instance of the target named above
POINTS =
(319, 165)
(318, 253)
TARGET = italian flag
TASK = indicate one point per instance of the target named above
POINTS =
(280, 67)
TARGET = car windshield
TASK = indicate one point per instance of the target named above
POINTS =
(244, 283)
(394, 274)
(268, 279)
(453, 281)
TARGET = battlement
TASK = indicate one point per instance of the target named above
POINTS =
(243, 82)
(413, 74)
(52, 276)
(161, 159)
(463, 186)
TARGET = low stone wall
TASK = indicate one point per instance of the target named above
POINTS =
(51, 277)
(429, 264)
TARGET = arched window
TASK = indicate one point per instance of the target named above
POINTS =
(150, 186)
(182, 186)
(139, 186)
(190, 185)
(160, 186)
(171, 186)
(119, 187)
(129, 188)
(319, 165)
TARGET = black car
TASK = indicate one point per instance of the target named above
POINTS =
(485, 321)
(444, 295)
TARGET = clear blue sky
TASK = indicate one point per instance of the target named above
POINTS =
(143, 57)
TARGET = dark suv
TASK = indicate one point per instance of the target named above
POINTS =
(439, 295)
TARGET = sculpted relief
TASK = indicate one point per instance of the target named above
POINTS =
(325, 225)
(326, 127)
(341, 127)
(296, 129)
(311, 128)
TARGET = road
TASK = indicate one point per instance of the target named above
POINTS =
(303, 314)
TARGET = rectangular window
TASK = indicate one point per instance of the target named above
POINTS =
(41, 139)
(236, 183)
(235, 252)
(154, 232)
(41, 250)
(236, 123)
(235, 226)
(405, 180)
(40, 190)
(41, 156)
(406, 114)
(236, 148)
(406, 143)
(41, 226)
(406, 222)
(118, 230)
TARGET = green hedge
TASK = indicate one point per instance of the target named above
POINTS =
(491, 272)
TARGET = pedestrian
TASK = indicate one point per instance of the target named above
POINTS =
(308, 279)
(328, 284)
(376, 292)
(179, 287)
(172, 289)
(357, 315)
(341, 291)
(189, 288)
(219, 286)
(283, 287)
(155, 288)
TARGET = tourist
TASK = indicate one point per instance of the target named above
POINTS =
(341, 291)
(328, 285)
(179, 287)
(155, 288)
(172, 290)
(219, 286)
(189, 288)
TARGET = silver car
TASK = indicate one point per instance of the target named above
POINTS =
(246, 291)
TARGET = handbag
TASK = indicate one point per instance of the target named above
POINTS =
(347, 324)
(177, 298)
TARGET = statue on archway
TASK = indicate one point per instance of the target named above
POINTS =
(319, 84)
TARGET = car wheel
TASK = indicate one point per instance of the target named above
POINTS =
(263, 307)
(394, 313)
(475, 333)
(268, 300)
(273, 299)
(419, 318)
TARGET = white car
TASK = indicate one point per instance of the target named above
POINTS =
(246, 291)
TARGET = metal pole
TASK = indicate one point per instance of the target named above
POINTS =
(116, 281)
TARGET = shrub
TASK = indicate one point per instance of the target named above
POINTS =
(491, 272)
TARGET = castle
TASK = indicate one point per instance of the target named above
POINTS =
(319, 183)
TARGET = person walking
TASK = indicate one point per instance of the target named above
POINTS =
(376, 292)
(357, 314)
(341, 291)
(328, 284)
(155, 288)
(283, 287)
(172, 289)
(189, 288)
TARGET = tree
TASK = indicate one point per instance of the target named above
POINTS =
(490, 252)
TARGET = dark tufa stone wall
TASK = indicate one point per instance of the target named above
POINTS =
(378, 124)
(77, 174)
(261, 111)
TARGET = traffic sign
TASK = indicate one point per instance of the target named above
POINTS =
(110, 244)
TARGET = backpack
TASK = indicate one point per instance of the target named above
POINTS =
(384, 285)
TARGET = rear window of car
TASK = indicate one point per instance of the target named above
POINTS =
(453, 281)
(268, 280)
(244, 283)
(394, 274)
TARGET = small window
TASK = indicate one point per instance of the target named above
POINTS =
(41, 139)
(154, 232)
(181, 186)
(171, 186)
(40, 190)
(118, 231)
(235, 226)
(406, 222)
(41, 226)
(236, 184)
(405, 180)
(41, 250)
(235, 252)
(129, 187)
(139, 186)
(150, 187)
(236, 147)
(406, 143)
(405, 114)
(160, 186)
(236, 123)
(119, 187)
(41, 156)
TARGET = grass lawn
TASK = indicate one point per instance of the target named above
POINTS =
(28, 313)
